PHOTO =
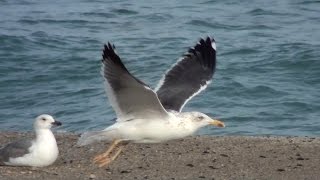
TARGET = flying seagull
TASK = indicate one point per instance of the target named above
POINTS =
(39, 152)
(152, 116)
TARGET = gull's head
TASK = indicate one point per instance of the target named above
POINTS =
(45, 121)
(202, 120)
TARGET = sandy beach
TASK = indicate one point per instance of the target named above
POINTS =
(205, 157)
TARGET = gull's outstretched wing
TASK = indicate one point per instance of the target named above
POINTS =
(129, 97)
(189, 76)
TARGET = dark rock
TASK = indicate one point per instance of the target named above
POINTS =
(212, 167)
(125, 171)
(224, 155)
(190, 165)
(205, 152)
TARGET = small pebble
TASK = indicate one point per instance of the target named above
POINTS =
(92, 176)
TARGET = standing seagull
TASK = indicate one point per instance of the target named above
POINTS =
(148, 116)
(39, 152)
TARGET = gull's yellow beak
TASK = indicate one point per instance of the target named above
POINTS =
(217, 123)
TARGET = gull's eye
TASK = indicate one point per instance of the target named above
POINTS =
(43, 119)
(200, 117)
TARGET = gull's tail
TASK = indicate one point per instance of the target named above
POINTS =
(95, 136)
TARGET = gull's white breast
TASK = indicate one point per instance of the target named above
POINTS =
(152, 130)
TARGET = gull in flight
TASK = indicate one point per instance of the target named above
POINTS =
(152, 116)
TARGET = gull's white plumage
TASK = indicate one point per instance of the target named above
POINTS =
(43, 150)
(141, 115)
(177, 125)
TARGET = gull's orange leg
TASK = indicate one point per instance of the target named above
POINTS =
(103, 159)
(107, 161)
(100, 157)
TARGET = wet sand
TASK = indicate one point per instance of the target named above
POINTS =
(205, 157)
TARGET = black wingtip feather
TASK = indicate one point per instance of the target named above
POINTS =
(189, 75)
(204, 51)
(109, 54)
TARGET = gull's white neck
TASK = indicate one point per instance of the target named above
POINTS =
(44, 135)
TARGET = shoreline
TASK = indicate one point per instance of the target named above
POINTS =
(198, 157)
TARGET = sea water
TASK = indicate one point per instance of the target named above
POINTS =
(267, 80)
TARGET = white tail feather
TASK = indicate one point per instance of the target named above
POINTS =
(95, 136)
